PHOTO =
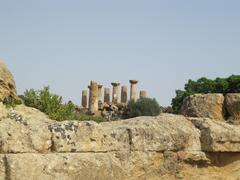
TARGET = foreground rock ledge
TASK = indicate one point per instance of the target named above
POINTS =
(34, 147)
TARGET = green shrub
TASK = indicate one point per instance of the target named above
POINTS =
(11, 102)
(204, 85)
(53, 105)
(143, 107)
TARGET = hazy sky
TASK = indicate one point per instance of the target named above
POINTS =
(67, 43)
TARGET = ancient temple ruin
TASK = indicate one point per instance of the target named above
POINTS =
(94, 100)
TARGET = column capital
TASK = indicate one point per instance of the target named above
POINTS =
(115, 84)
(133, 81)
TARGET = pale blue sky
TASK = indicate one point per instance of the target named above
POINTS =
(67, 43)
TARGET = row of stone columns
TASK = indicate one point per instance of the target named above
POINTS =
(95, 94)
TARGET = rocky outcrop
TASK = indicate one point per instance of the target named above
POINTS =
(213, 106)
(218, 136)
(204, 105)
(20, 132)
(232, 104)
(24, 130)
(165, 147)
(7, 83)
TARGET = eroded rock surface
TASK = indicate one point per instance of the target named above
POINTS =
(7, 83)
(33, 147)
(24, 130)
(204, 105)
(218, 136)
(232, 104)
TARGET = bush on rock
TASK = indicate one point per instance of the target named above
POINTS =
(143, 107)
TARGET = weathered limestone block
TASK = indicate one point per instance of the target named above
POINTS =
(162, 133)
(88, 166)
(84, 98)
(107, 95)
(204, 105)
(218, 136)
(165, 147)
(114, 165)
(115, 92)
(20, 133)
(64, 166)
(25, 130)
(2, 167)
(124, 97)
(232, 104)
(133, 91)
(7, 84)
(227, 168)
(160, 136)
(87, 137)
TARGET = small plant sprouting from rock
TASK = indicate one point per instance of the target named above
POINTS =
(143, 107)
(53, 105)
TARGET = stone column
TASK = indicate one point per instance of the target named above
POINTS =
(143, 94)
(124, 97)
(107, 95)
(89, 96)
(93, 103)
(115, 92)
(84, 98)
(133, 92)
(100, 92)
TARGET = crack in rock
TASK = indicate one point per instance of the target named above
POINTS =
(7, 168)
